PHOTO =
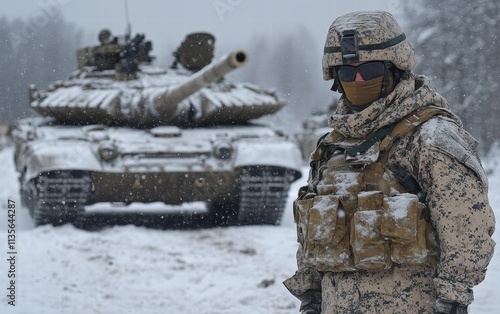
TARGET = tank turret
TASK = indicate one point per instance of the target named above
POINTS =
(116, 85)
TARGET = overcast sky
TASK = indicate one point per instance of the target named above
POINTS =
(233, 22)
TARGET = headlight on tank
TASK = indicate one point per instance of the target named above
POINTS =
(223, 150)
(108, 151)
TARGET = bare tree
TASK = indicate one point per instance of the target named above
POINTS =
(45, 54)
(458, 46)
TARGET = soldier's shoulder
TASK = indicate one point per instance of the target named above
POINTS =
(446, 136)
(446, 133)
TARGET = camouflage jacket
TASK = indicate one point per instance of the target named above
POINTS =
(442, 157)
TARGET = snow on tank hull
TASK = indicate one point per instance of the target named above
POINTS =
(243, 173)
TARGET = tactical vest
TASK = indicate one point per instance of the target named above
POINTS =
(355, 214)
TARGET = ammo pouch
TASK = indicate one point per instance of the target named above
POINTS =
(323, 232)
(410, 234)
(383, 230)
(395, 233)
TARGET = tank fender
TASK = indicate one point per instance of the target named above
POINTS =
(76, 155)
(279, 154)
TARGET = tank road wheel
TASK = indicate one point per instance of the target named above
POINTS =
(263, 194)
(56, 197)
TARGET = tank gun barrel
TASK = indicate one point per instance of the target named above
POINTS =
(166, 103)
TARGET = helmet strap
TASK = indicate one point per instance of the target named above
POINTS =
(336, 87)
(386, 81)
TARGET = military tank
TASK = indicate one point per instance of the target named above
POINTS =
(123, 131)
(313, 128)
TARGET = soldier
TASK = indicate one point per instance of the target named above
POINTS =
(395, 217)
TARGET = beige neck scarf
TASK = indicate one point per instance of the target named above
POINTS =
(408, 96)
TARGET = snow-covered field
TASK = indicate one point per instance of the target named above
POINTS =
(129, 269)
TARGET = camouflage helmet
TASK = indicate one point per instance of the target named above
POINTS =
(366, 36)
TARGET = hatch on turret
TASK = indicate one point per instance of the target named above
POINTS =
(195, 52)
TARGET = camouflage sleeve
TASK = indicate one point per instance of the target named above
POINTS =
(457, 196)
(305, 278)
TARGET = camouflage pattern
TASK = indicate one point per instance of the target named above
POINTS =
(442, 157)
(373, 27)
(403, 289)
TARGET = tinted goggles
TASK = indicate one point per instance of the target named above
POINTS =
(368, 71)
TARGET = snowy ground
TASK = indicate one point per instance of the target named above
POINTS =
(128, 269)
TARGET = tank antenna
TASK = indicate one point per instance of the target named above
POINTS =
(127, 20)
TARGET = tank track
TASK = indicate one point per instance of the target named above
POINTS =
(57, 197)
(263, 194)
